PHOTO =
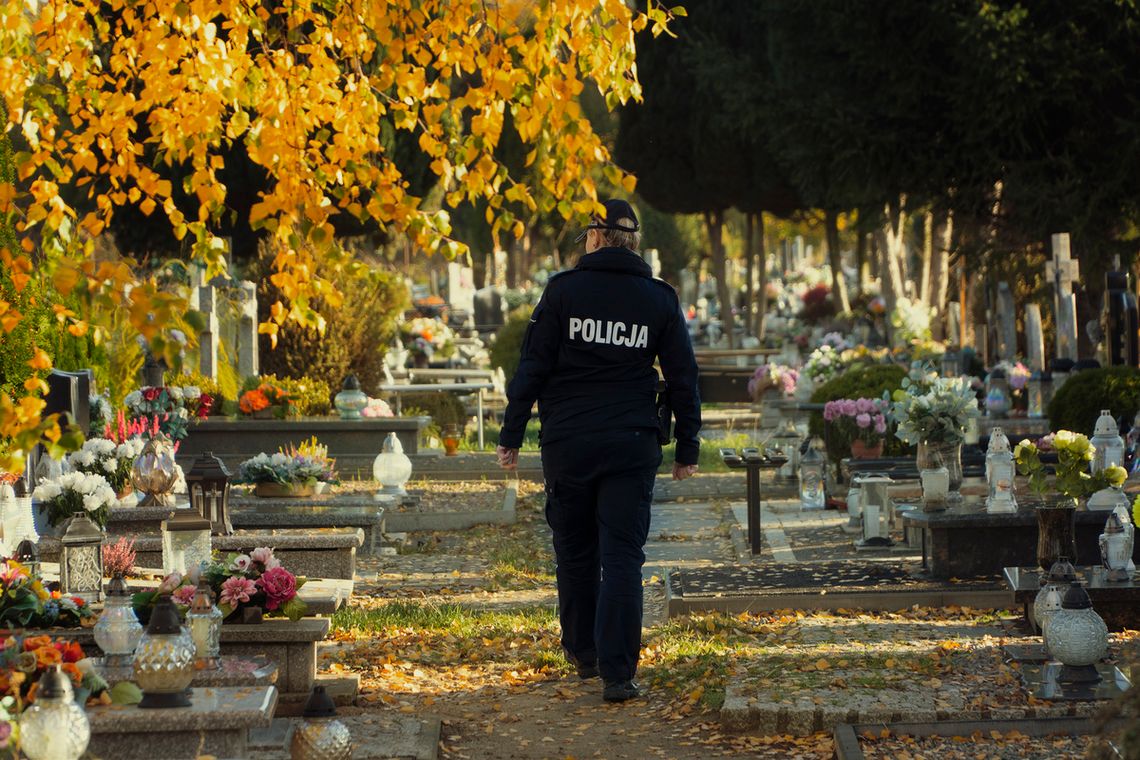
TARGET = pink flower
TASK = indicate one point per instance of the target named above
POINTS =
(169, 583)
(864, 405)
(185, 595)
(850, 408)
(279, 586)
(237, 590)
(880, 424)
(863, 420)
(241, 563)
(261, 555)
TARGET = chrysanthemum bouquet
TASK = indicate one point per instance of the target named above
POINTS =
(76, 492)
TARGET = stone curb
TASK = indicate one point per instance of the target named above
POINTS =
(847, 745)
(740, 715)
(677, 606)
(409, 522)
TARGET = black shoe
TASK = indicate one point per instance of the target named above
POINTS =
(588, 671)
(620, 691)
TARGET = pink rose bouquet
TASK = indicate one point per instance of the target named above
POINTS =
(256, 579)
(861, 418)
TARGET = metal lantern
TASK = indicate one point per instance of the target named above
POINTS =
(1116, 548)
(205, 623)
(154, 474)
(117, 632)
(54, 727)
(28, 555)
(81, 560)
(392, 468)
(788, 441)
(351, 400)
(208, 484)
(1040, 392)
(951, 364)
(812, 471)
(320, 736)
(1077, 637)
(999, 474)
(185, 542)
(164, 659)
(876, 508)
(1108, 451)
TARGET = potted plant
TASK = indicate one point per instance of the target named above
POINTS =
(266, 401)
(312, 456)
(860, 421)
(292, 472)
(72, 493)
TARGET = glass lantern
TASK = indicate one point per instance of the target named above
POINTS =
(54, 727)
(1116, 548)
(392, 468)
(320, 736)
(81, 560)
(208, 483)
(28, 555)
(997, 393)
(1039, 390)
(1108, 451)
(117, 632)
(876, 508)
(999, 474)
(1047, 602)
(1077, 637)
(154, 474)
(164, 659)
(951, 365)
(205, 623)
(350, 400)
(788, 441)
(812, 471)
(855, 507)
(185, 542)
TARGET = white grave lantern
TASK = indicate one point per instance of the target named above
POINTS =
(999, 474)
(185, 542)
(876, 511)
(1108, 452)
(855, 507)
(391, 468)
(1116, 548)
(812, 470)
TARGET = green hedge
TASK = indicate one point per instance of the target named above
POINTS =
(1077, 404)
(508, 342)
(443, 407)
(860, 381)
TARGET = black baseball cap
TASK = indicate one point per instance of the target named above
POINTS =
(616, 210)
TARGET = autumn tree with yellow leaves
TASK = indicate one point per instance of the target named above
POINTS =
(104, 98)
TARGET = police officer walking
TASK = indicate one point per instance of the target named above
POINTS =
(587, 359)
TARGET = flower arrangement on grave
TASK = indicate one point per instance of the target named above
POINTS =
(1016, 373)
(76, 492)
(312, 456)
(295, 467)
(1071, 473)
(425, 337)
(25, 602)
(24, 660)
(377, 407)
(119, 558)
(112, 461)
(266, 396)
(772, 376)
(860, 419)
(822, 364)
(932, 409)
(836, 340)
(175, 407)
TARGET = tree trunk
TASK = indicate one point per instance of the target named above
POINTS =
(750, 273)
(927, 256)
(861, 264)
(762, 285)
(714, 222)
(838, 280)
(940, 273)
(894, 249)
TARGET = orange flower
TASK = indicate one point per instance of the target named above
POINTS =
(71, 651)
(252, 401)
(36, 642)
(48, 656)
(73, 670)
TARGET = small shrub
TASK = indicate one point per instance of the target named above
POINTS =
(508, 342)
(860, 381)
(309, 397)
(1077, 404)
(444, 408)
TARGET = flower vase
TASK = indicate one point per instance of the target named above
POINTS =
(420, 361)
(1056, 532)
(279, 491)
(451, 438)
(860, 449)
(934, 454)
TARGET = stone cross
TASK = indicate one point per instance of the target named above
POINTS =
(1006, 323)
(247, 349)
(208, 338)
(1034, 338)
(1062, 272)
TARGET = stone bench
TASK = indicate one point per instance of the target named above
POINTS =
(217, 724)
(313, 552)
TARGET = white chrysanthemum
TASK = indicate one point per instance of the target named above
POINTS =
(102, 446)
(47, 490)
(192, 391)
(111, 466)
(133, 399)
(175, 392)
(92, 502)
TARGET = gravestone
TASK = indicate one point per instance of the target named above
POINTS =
(1006, 323)
(1063, 271)
(688, 288)
(69, 394)
(798, 253)
(461, 287)
(247, 351)
(653, 259)
(489, 307)
(953, 324)
(785, 255)
(1034, 338)
(208, 338)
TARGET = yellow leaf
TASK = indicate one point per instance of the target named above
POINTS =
(40, 360)
(822, 664)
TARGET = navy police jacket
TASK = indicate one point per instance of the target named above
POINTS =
(588, 355)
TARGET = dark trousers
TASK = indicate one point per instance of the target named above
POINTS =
(598, 493)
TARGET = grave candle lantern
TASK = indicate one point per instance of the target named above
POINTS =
(81, 560)
(117, 632)
(164, 659)
(185, 542)
(951, 364)
(1077, 637)
(1108, 451)
(997, 393)
(999, 474)
(876, 504)
(205, 623)
(54, 727)
(1039, 391)
(320, 736)
(812, 464)
(28, 555)
(855, 506)
(208, 484)
(788, 441)
(1116, 548)
(392, 468)
(350, 400)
